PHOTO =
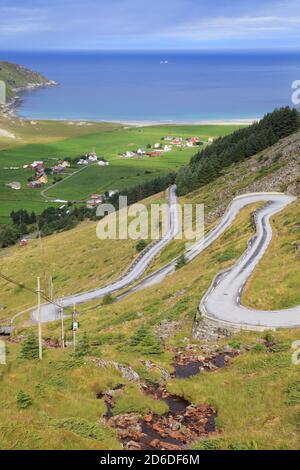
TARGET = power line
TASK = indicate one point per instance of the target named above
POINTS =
(23, 286)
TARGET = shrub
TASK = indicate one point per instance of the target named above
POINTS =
(258, 348)
(180, 262)
(208, 444)
(249, 445)
(83, 428)
(145, 342)
(226, 256)
(141, 245)
(107, 299)
(235, 344)
(23, 400)
(269, 338)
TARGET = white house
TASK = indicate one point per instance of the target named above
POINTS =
(167, 148)
(157, 145)
(82, 161)
(103, 163)
(92, 158)
(141, 151)
(128, 154)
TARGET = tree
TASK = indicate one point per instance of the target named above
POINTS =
(30, 347)
(9, 235)
(209, 162)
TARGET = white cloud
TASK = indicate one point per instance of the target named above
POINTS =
(14, 20)
(235, 27)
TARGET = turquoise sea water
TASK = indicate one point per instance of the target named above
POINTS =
(185, 86)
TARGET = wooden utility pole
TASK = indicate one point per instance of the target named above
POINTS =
(62, 326)
(39, 319)
(51, 288)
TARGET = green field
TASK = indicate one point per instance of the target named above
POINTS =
(35, 143)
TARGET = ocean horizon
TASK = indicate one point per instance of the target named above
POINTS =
(158, 87)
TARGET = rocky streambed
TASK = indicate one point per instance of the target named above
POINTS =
(174, 430)
(183, 423)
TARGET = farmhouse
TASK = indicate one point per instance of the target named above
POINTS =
(34, 184)
(43, 179)
(92, 157)
(95, 200)
(141, 151)
(82, 161)
(128, 154)
(156, 153)
(192, 141)
(103, 162)
(58, 169)
(36, 165)
(64, 163)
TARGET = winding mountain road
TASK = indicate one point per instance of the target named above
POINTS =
(50, 312)
(222, 302)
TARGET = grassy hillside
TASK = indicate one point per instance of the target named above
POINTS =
(256, 397)
(283, 261)
(16, 76)
(250, 396)
(77, 260)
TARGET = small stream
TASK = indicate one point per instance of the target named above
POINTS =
(186, 369)
(184, 422)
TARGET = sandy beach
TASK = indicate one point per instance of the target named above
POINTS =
(220, 122)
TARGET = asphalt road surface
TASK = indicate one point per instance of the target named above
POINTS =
(222, 301)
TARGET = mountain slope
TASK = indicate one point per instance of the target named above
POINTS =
(255, 396)
(17, 78)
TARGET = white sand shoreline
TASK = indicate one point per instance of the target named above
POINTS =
(146, 123)
(221, 122)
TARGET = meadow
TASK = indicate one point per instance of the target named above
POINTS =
(50, 141)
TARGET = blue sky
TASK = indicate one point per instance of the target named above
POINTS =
(153, 24)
